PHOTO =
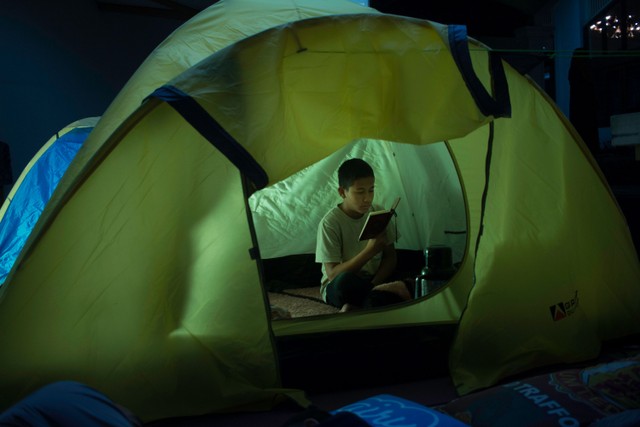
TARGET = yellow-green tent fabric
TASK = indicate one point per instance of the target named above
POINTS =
(139, 280)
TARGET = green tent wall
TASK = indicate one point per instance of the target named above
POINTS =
(138, 278)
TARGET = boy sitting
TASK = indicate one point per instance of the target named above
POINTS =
(353, 269)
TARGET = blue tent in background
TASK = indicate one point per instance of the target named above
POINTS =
(33, 189)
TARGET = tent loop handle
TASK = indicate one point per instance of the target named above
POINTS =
(498, 106)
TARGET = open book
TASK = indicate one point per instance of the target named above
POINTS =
(377, 221)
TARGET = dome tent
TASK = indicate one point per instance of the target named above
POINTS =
(35, 185)
(138, 278)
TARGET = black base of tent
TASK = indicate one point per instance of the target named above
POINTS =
(364, 358)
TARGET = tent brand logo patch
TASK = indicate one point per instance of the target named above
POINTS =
(562, 310)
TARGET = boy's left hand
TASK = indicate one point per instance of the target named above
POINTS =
(378, 243)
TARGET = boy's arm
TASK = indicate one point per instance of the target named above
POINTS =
(356, 263)
(387, 265)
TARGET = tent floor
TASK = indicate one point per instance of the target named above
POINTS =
(429, 391)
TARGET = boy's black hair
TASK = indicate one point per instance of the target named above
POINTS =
(353, 169)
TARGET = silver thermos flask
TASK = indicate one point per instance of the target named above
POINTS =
(436, 272)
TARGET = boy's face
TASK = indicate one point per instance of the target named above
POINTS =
(358, 197)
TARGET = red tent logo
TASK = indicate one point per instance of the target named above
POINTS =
(563, 309)
(558, 312)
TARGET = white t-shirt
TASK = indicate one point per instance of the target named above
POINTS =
(337, 241)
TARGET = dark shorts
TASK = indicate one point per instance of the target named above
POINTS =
(348, 288)
(351, 288)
